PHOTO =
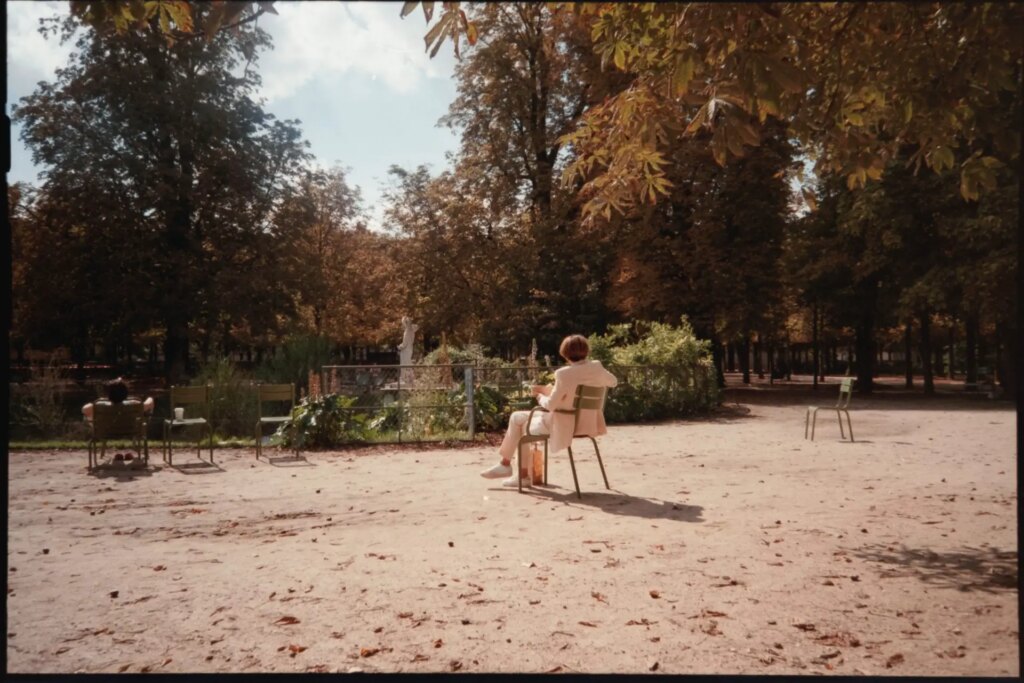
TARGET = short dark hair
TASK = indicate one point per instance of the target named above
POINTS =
(574, 348)
(117, 390)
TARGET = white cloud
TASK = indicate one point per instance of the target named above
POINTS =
(30, 56)
(315, 40)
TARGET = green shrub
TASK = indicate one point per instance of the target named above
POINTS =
(37, 404)
(293, 361)
(232, 398)
(678, 386)
(326, 421)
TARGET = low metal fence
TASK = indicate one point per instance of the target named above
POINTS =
(400, 403)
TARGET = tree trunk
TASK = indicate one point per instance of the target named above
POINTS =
(951, 370)
(716, 358)
(971, 349)
(1006, 336)
(816, 365)
(926, 353)
(908, 352)
(745, 358)
(865, 342)
(732, 356)
(758, 364)
(771, 362)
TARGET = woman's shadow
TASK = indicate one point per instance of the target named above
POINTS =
(616, 502)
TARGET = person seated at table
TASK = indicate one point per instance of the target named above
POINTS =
(574, 349)
(117, 394)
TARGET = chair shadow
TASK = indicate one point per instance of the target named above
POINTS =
(988, 570)
(197, 467)
(289, 461)
(617, 502)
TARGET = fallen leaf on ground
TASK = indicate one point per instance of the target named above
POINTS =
(655, 594)
(555, 670)
(404, 615)
(368, 651)
(894, 660)
(378, 629)
(287, 621)
(296, 649)
(597, 596)
(159, 568)
(642, 622)
(123, 668)
(420, 658)
(806, 627)
(455, 665)
(587, 623)
(438, 643)
(653, 667)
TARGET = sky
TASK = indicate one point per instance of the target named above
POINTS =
(354, 73)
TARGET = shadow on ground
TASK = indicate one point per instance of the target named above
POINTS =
(883, 397)
(989, 570)
(289, 461)
(619, 503)
(197, 467)
(122, 472)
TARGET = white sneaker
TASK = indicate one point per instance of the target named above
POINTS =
(497, 472)
(513, 483)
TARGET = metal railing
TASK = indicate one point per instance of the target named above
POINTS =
(437, 402)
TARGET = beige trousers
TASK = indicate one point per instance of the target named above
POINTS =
(517, 428)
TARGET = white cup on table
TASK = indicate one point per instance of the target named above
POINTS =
(179, 413)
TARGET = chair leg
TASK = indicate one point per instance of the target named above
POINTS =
(259, 437)
(814, 422)
(545, 462)
(211, 443)
(167, 443)
(515, 472)
(842, 432)
(807, 422)
(575, 481)
(848, 423)
(599, 462)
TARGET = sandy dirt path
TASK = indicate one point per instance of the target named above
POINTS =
(726, 545)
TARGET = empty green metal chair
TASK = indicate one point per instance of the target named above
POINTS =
(276, 393)
(842, 406)
(191, 400)
(587, 398)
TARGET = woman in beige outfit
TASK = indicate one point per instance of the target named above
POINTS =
(573, 349)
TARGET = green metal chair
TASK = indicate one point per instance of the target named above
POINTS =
(587, 398)
(117, 421)
(842, 406)
(278, 393)
(194, 398)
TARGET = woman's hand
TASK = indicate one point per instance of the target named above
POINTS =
(538, 389)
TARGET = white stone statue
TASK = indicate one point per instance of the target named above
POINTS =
(408, 338)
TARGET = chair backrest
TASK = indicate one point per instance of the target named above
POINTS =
(199, 395)
(186, 395)
(113, 420)
(845, 392)
(274, 392)
(587, 398)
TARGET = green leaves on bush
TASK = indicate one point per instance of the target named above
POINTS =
(326, 421)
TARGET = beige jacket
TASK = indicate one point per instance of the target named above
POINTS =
(591, 422)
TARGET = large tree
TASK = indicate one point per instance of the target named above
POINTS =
(159, 155)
